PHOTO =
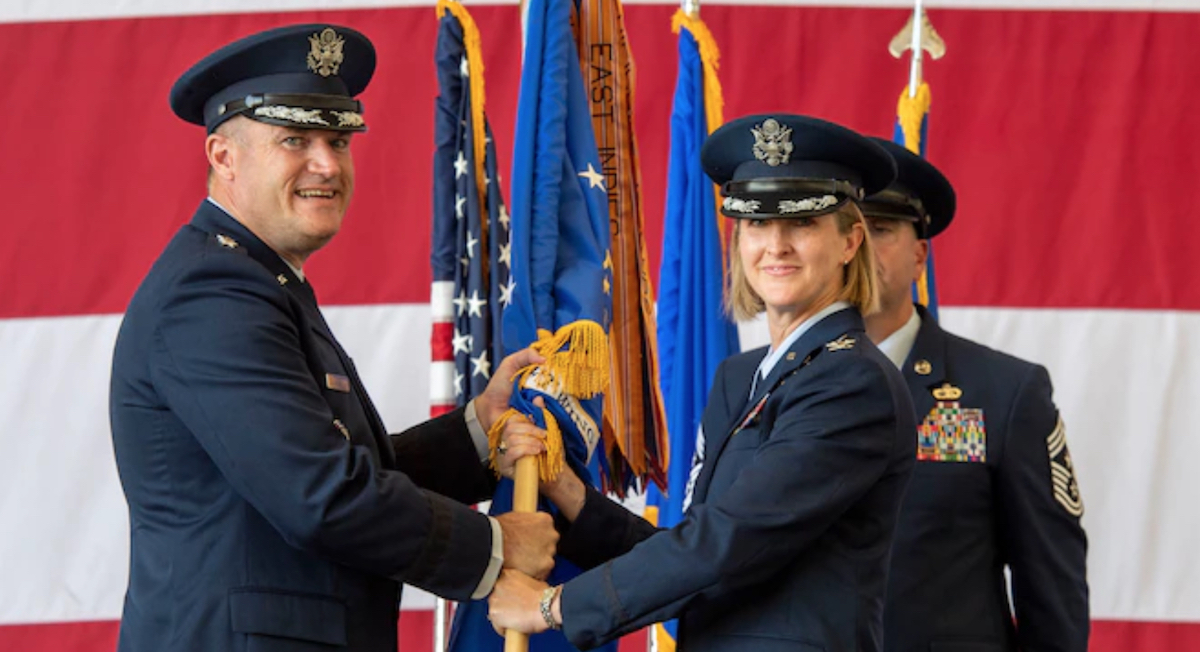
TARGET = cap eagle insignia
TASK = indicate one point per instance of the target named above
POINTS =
(326, 54)
(772, 142)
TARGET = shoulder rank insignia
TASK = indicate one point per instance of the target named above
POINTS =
(772, 142)
(1062, 472)
(226, 241)
(950, 432)
(841, 344)
(326, 54)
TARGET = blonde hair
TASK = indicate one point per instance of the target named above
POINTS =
(860, 285)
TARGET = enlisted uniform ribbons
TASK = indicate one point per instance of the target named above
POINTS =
(950, 432)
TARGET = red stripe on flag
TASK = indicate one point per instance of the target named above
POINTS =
(1069, 153)
(442, 342)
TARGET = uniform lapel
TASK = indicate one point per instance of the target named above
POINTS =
(925, 368)
(801, 352)
(219, 224)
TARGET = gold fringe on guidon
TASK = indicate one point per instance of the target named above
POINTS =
(581, 370)
(582, 367)
(714, 100)
(473, 45)
(911, 112)
(550, 463)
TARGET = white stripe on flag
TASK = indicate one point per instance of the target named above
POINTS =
(1126, 392)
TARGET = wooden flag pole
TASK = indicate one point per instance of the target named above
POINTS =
(525, 499)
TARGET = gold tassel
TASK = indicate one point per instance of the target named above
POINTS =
(583, 367)
(911, 112)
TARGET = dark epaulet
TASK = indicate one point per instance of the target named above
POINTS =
(227, 242)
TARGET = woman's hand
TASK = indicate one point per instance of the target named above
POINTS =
(520, 439)
(515, 603)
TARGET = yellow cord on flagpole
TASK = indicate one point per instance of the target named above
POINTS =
(473, 44)
(911, 112)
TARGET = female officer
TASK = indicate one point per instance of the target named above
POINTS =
(805, 446)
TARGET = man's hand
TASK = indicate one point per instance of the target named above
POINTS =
(492, 403)
(515, 604)
(529, 542)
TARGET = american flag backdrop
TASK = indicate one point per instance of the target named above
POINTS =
(470, 251)
(1067, 126)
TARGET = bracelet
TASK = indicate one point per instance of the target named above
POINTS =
(547, 599)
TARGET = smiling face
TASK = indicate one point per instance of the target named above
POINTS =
(796, 266)
(289, 186)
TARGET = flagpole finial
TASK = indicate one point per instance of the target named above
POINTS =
(690, 7)
(919, 36)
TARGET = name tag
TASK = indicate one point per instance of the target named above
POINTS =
(337, 383)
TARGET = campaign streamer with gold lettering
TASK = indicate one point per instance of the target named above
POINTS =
(635, 421)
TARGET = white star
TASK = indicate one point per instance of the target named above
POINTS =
(471, 242)
(475, 304)
(487, 181)
(506, 292)
(458, 378)
(504, 215)
(459, 203)
(481, 366)
(460, 165)
(462, 342)
(466, 263)
(460, 302)
(595, 179)
(464, 67)
(506, 254)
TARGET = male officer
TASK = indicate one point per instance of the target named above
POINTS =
(269, 508)
(994, 486)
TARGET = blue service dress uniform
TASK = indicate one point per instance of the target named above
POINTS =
(993, 488)
(785, 546)
(269, 508)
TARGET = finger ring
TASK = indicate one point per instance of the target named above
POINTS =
(502, 448)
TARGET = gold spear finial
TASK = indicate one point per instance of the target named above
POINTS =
(917, 35)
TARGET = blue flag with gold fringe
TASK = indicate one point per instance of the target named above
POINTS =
(912, 125)
(560, 284)
(694, 332)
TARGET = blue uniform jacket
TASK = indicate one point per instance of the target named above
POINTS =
(964, 520)
(785, 546)
(269, 509)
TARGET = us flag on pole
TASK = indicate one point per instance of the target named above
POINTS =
(470, 251)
